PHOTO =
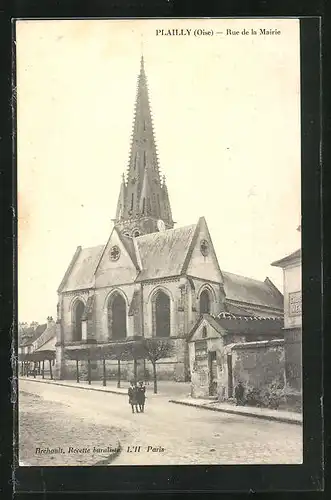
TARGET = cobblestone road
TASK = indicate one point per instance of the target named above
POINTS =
(186, 434)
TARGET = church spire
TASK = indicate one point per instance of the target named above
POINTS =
(143, 199)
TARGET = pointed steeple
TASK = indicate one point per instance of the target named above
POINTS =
(142, 195)
(166, 201)
(121, 200)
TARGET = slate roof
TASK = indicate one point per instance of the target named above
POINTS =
(82, 272)
(49, 345)
(49, 333)
(287, 259)
(243, 325)
(231, 308)
(250, 324)
(241, 289)
(163, 254)
(37, 332)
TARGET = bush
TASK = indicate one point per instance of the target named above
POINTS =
(268, 397)
(273, 396)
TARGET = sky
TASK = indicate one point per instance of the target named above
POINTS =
(226, 113)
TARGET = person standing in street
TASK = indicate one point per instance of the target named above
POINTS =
(239, 394)
(132, 393)
(141, 396)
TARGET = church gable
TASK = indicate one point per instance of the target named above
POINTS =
(118, 263)
(201, 261)
(80, 273)
(206, 328)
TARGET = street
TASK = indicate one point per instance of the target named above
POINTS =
(71, 421)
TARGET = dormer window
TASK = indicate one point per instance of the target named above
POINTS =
(136, 233)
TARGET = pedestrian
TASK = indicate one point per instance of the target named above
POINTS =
(147, 377)
(141, 396)
(132, 393)
(239, 394)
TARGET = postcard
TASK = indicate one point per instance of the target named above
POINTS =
(159, 243)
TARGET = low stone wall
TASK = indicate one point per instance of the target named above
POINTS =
(167, 369)
(175, 368)
(256, 364)
(70, 371)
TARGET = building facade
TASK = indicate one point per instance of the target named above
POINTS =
(150, 279)
(291, 266)
(226, 348)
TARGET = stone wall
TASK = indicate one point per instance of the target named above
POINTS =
(293, 357)
(69, 370)
(256, 364)
(172, 368)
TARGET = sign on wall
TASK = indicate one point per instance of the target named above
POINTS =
(295, 303)
(201, 350)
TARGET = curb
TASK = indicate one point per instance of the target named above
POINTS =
(88, 388)
(235, 412)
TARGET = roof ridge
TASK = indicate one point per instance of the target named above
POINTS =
(174, 229)
(95, 246)
(246, 277)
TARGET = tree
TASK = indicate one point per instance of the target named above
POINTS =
(25, 329)
(155, 349)
(119, 352)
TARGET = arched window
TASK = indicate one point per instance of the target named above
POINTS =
(78, 314)
(204, 332)
(136, 233)
(204, 302)
(161, 315)
(117, 317)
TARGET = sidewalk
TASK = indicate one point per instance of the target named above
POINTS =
(263, 413)
(165, 388)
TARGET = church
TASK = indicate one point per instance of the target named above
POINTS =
(150, 279)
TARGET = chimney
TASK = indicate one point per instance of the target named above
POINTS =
(50, 321)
